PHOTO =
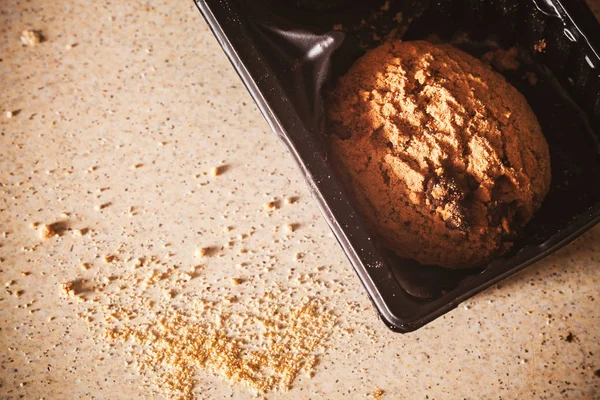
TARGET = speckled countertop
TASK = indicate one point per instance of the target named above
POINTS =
(119, 115)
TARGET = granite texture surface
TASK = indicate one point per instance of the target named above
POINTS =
(116, 120)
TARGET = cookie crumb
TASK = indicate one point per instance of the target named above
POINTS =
(109, 258)
(378, 394)
(201, 252)
(80, 232)
(31, 38)
(270, 205)
(540, 46)
(99, 207)
(236, 281)
(290, 227)
(68, 288)
(46, 231)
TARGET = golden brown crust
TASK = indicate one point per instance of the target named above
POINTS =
(446, 159)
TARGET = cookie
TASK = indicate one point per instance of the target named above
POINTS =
(446, 160)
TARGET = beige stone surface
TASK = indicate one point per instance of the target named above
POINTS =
(116, 121)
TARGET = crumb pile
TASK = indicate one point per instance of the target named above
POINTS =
(263, 343)
(445, 158)
(179, 345)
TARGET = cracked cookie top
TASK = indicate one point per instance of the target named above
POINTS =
(445, 158)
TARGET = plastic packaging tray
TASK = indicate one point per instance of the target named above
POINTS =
(289, 53)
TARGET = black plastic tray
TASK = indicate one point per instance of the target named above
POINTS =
(288, 53)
